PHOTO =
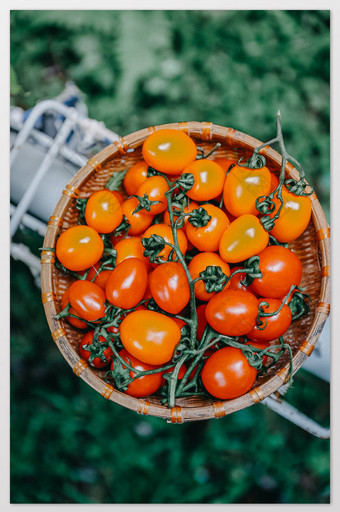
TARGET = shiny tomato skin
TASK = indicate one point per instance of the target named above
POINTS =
(155, 187)
(135, 176)
(130, 247)
(209, 179)
(192, 206)
(169, 287)
(97, 362)
(138, 221)
(150, 336)
(144, 385)
(245, 237)
(73, 321)
(242, 187)
(227, 374)
(232, 312)
(101, 277)
(207, 238)
(165, 232)
(79, 247)
(88, 299)
(127, 283)
(274, 326)
(169, 151)
(103, 211)
(199, 263)
(280, 268)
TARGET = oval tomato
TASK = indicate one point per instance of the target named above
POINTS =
(103, 211)
(135, 176)
(104, 356)
(227, 374)
(149, 336)
(199, 263)
(280, 269)
(130, 248)
(73, 321)
(138, 221)
(144, 385)
(170, 287)
(245, 237)
(155, 188)
(207, 238)
(79, 247)
(127, 283)
(232, 312)
(165, 232)
(169, 150)
(272, 327)
(87, 299)
(209, 179)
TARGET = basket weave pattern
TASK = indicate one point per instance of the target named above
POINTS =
(312, 248)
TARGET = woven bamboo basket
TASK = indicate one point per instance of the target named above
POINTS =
(313, 248)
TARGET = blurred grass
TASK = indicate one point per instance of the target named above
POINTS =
(139, 68)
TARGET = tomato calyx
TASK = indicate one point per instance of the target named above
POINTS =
(198, 218)
(299, 303)
(214, 278)
(144, 203)
(298, 188)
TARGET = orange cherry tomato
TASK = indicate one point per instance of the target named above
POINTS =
(127, 283)
(165, 231)
(101, 277)
(169, 150)
(187, 209)
(207, 238)
(272, 327)
(103, 211)
(139, 221)
(87, 299)
(155, 188)
(150, 336)
(199, 263)
(209, 179)
(244, 238)
(235, 281)
(79, 247)
(118, 195)
(144, 385)
(225, 163)
(97, 362)
(130, 248)
(243, 186)
(73, 321)
(170, 287)
(135, 176)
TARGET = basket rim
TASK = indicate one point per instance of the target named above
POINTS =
(204, 131)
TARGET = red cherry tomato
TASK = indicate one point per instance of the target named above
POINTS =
(272, 327)
(165, 231)
(209, 179)
(232, 312)
(235, 281)
(87, 299)
(150, 336)
(170, 287)
(79, 247)
(127, 283)
(280, 268)
(227, 374)
(199, 263)
(207, 238)
(103, 211)
(155, 188)
(202, 321)
(73, 321)
(138, 221)
(104, 357)
(169, 150)
(144, 385)
(135, 176)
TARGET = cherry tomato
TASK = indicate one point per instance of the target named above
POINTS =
(155, 188)
(79, 247)
(144, 385)
(127, 283)
(202, 321)
(232, 312)
(180, 375)
(104, 356)
(73, 321)
(261, 345)
(235, 281)
(207, 238)
(170, 287)
(199, 263)
(150, 336)
(118, 195)
(130, 248)
(169, 150)
(225, 163)
(115, 329)
(227, 374)
(280, 269)
(165, 231)
(272, 327)
(139, 221)
(209, 179)
(103, 211)
(135, 176)
(243, 186)
(189, 208)
(245, 237)
(88, 299)
(101, 277)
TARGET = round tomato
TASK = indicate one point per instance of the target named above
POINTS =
(165, 232)
(235, 281)
(103, 211)
(232, 312)
(280, 269)
(225, 163)
(138, 221)
(227, 374)
(207, 238)
(209, 179)
(243, 186)
(272, 327)
(87, 299)
(189, 208)
(135, 176)
(73, 321)
(245, 237)
(169, 287)
(79, 247)
(155, 188)
(100, 278)
(96, 357)
(130, 248)
(144, 385)
(169, 150)
(150, 336)
(127, 283)
(199, 263)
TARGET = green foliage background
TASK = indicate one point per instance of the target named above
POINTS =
(137, 69)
